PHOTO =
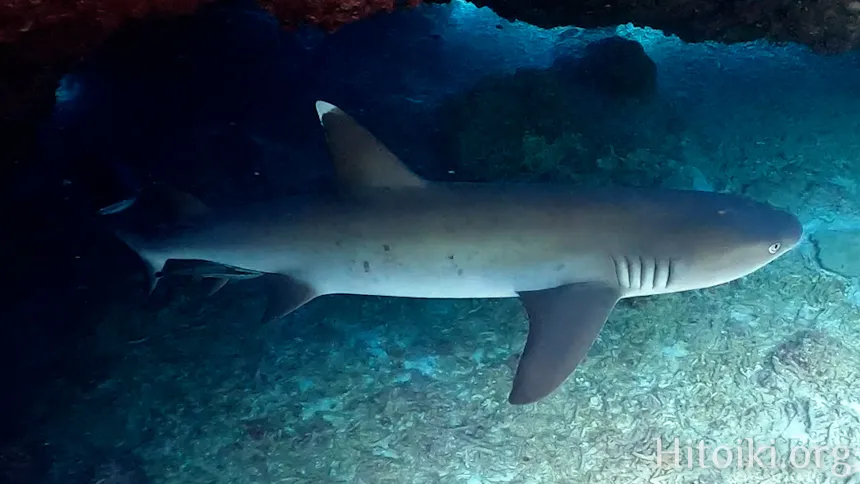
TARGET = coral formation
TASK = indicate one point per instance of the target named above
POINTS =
(498, 128)
(824, 25)
(614, 67)
(39, 40)
(575, 120)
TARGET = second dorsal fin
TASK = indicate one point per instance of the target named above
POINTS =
(360, 159)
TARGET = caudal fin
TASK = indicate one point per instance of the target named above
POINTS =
(159, 207)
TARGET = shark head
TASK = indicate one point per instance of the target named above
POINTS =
(724, 237)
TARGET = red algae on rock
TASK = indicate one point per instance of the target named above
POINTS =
(328, 14)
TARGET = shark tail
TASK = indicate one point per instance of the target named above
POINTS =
(162, 206)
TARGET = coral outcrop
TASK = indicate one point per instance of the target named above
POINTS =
(39, 40)
(581, 120)
(614, 67)
(825, 25)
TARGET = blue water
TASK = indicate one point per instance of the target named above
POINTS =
(184, 388)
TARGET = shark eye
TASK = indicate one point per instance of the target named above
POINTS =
(774, 248)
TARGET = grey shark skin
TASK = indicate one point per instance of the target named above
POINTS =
(568, 254)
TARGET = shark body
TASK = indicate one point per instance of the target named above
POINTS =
(568, 254)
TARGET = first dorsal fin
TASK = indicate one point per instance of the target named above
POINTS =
(360, 159)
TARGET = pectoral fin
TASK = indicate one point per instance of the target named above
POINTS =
(563, 324)
(286, 294)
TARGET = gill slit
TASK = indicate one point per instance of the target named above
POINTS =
(654, 274)
(670, 271)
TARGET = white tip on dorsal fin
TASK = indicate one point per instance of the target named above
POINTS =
(360, 159)
(324, 108)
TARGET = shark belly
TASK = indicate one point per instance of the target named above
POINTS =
(412, 284)
(485, 267)
(423, 282)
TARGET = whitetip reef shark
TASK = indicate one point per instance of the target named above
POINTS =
(569, 254)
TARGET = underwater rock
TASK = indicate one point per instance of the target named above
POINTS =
(538, 125)
(40, 40)
(839, 251)
(827, 26)
(494, 132)
(614, 67)
(329, 14)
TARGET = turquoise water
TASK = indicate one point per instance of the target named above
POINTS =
(184, 388)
